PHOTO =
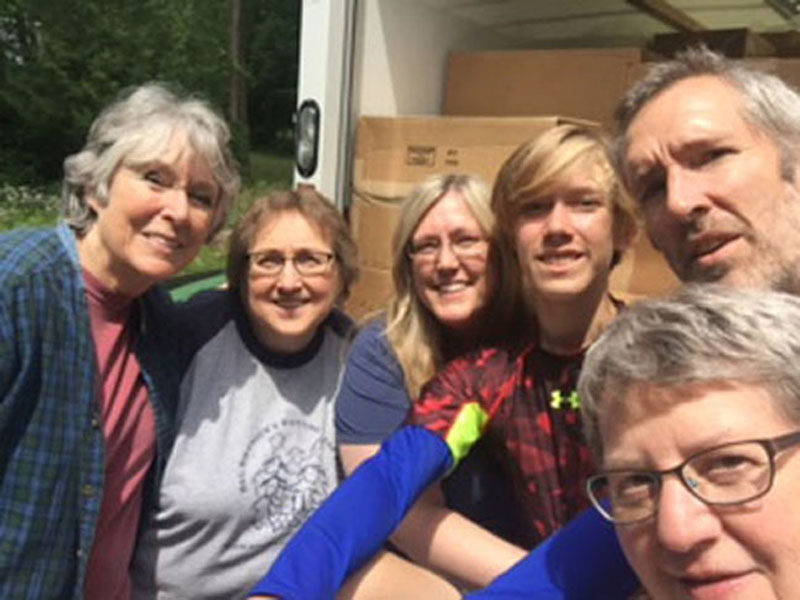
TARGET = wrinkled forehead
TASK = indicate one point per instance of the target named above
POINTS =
(684, 112)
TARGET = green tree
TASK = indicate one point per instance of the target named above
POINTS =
(271, 58)
(64, 59)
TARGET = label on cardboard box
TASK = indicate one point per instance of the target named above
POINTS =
(421, 156)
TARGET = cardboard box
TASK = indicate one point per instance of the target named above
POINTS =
(370, 294)
(586, 84)
(395, 153)
(642, 272)
(786, 43)
(787, 69)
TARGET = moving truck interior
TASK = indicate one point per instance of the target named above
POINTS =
(390, 91)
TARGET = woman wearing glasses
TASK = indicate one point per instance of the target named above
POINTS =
(447, 276)
(692, 410)
(254, 453)
(563, 215)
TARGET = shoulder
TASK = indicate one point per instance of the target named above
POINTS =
(371, 343)
(481, 361)
(371, 355)
(372, 400)
(39, 271)
(483, 374)
(192, 323)
(26, 252)
(207, 310)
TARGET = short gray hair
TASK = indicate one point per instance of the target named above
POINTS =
(701, 334)
(770, 105)
(138, 127)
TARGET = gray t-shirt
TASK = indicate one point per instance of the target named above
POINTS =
(254, 455)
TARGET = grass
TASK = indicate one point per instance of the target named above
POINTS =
(22, 206)
(39, 207)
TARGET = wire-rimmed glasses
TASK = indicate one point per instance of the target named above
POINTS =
(307, 263)
(463, 247)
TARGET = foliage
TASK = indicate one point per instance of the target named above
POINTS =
(271, 56)
(62, 60)
(23, 206)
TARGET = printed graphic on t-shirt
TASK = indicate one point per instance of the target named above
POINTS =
(282, 472)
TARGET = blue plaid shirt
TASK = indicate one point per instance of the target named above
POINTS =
(51, 439)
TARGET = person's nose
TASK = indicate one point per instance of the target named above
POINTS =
(176, 207)
(447, 258)
(683, 521)
(686, 198)
(289, 279)
(558, 222)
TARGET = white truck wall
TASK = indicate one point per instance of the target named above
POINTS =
(401, 56)
(325, 55)
(374, 57)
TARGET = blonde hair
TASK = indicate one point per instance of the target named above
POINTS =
(415, 335)
(539, 163)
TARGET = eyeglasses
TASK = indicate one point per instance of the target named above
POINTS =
(464, 247)
(728, 474)
(306, 262)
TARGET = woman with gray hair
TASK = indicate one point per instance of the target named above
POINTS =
(692, 408)
(87, 361)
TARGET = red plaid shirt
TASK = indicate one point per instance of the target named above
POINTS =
(524, 398)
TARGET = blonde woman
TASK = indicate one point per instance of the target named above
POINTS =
(447, 275)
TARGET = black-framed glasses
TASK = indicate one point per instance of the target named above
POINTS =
(727, 474)
(464, 247)
(306, 262)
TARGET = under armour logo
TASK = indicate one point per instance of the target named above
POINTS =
(557, 400)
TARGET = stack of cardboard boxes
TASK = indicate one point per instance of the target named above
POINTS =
(492, 103)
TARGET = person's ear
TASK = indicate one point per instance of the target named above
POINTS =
(94, 201)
